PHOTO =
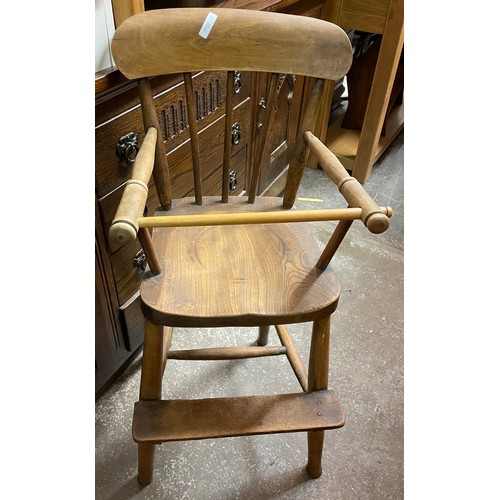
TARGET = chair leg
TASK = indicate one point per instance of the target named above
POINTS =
(146, 455)
(318, 380)
(263, 335)
(151, 377)
(315, 452)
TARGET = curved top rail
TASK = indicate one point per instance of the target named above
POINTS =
(168, 41)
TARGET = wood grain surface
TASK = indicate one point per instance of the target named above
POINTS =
(237, 275)
(239, 39)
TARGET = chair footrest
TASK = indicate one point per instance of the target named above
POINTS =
(180, 420)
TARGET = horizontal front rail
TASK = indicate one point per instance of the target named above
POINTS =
(222, 353)
(254, 217)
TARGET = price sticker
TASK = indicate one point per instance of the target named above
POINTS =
(208, 25)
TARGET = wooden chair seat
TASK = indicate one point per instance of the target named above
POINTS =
(225, 276)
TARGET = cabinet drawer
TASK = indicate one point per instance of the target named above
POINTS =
(127, 274)
(210, 95)
(212, 185)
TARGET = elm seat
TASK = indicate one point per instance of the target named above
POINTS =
(236, 261)
(268, 284)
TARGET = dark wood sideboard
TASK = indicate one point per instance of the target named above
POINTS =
(118, 133)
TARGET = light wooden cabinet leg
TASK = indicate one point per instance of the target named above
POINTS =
(383, 80)
(318, 380)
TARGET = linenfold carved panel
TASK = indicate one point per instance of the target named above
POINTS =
(207, 98)
(209, 90)
(209, 93)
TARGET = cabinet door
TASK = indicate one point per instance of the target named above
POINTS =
(283, 126)
(105, 345)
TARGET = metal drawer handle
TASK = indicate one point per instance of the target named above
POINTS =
(140, 260)
(128, 147)
(233, 182)
(262, 105)
(235, 133)
(237, 82)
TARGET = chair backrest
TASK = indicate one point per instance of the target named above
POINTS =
(190, 40)
(169, 41)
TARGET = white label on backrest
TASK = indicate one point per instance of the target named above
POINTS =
(208, 25)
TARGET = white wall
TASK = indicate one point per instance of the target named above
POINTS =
(104, 30)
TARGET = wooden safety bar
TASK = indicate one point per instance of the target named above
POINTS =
(255, 217)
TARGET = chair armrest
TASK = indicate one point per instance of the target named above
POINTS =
(375, 218)
(125, 224)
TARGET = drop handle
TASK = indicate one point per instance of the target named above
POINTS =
(237, 82)
(127, 148)
(235, 133)
(233, 181)
(140, 260)
(262, 105)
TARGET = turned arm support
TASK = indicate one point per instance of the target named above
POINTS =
(128, 219)
(125, 225)
(375, 218)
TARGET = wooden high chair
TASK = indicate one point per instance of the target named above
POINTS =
(235, 261)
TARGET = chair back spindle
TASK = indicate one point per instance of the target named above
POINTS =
(193, 134)
(228, 136)
(161, 173)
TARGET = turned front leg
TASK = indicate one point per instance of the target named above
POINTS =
(151, 378)
(318, 380)
(146, 455)
(263, 337)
